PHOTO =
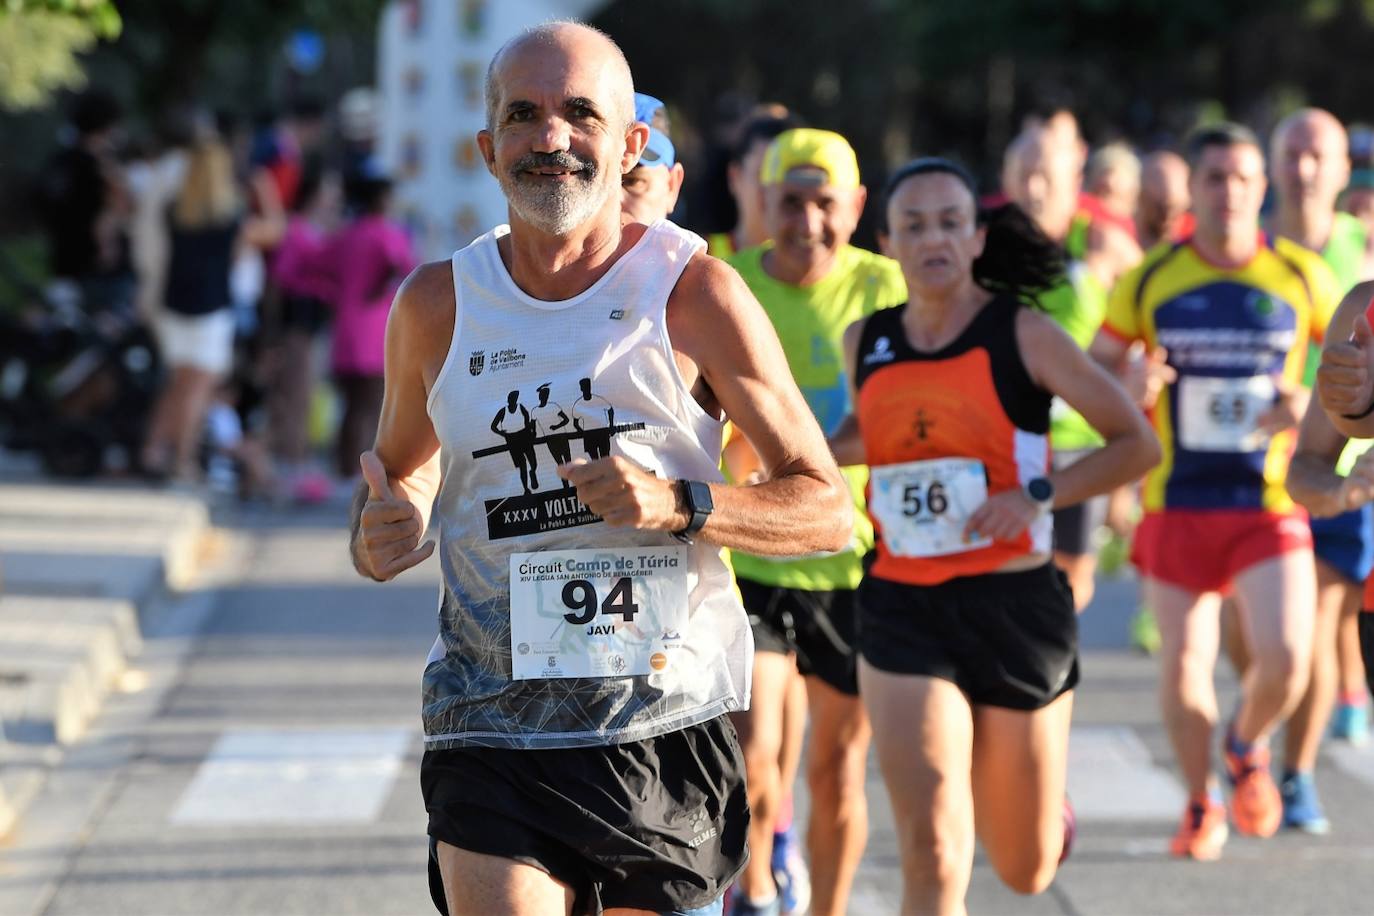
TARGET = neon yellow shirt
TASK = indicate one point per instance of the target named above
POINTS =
(720, 245)
(810, 322)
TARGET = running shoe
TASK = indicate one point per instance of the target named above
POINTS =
(790, 872)
(740, 906)
(1145, 631)
(1302, 809)
(1070, 830)
(1114, 554)
(1350, 722)
(1202, 834)
(1256, 808)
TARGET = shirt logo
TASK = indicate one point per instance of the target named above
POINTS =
(507, 358)
(1263, 306)
(476, 362)
(823, 351)
(617, 314)
(882, 352)
(923, 424)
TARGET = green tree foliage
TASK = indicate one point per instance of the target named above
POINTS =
(39, 44)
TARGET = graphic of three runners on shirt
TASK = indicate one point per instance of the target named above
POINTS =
(522, 428)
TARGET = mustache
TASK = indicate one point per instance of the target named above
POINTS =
(563, 159)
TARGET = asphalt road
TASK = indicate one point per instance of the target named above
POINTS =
(271, 767)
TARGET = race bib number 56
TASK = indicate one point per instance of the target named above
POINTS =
(923, 506)
(597, 613)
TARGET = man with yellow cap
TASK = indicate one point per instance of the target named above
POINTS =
(812, 283)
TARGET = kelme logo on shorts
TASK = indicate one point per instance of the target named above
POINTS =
(476, 362)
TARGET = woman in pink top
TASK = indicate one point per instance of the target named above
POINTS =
(303, 288)
(369, 258)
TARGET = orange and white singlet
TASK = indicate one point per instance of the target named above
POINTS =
(943, 431)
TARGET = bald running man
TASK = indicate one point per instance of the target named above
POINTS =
(1042, 173)
(1309, 163)
(1162, 209)
(578, 755)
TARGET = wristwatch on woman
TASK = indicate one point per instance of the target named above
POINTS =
(1041, 492)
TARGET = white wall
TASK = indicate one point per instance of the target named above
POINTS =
(431, 63)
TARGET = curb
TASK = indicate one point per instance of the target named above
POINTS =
(80, 567)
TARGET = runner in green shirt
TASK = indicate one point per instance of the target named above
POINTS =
(812, 284)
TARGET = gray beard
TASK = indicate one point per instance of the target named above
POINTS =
(552, 208)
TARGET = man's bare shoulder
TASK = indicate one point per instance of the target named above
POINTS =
(425, 298)
(708, 290)
(420, 328)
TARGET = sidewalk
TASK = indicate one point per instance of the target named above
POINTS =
(81, 567)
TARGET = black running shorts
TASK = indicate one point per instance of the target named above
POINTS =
(1005, 639)
(1075, 527)
(818, 627)
(658, 824)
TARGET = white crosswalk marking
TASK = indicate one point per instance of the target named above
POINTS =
(294, 776)
(1113, 777)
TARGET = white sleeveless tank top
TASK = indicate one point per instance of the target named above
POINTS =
(529, 384)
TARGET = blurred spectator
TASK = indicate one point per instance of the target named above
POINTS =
(301, 291)
(86, 207)
(1162, 212)
(358, 127)
(196, 329)
(237, 461)
(368, 260)
(281, 147)
(154, 180)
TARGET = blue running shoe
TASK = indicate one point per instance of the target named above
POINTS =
(740, 906)
(1350, 722)
(790, 872)
(1302, 809)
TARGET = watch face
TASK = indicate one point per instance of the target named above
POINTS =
(700, 496)
(1040, 489)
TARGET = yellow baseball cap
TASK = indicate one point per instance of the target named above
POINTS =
(808, 148)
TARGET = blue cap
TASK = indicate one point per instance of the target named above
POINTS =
(659, 150)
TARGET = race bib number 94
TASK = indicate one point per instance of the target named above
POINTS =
(1222, 414)
(923, 506)
(615, 612)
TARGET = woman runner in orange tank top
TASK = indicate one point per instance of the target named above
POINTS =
(967, 633)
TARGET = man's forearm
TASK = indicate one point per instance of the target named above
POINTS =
(798, 513)
(1314, 485)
